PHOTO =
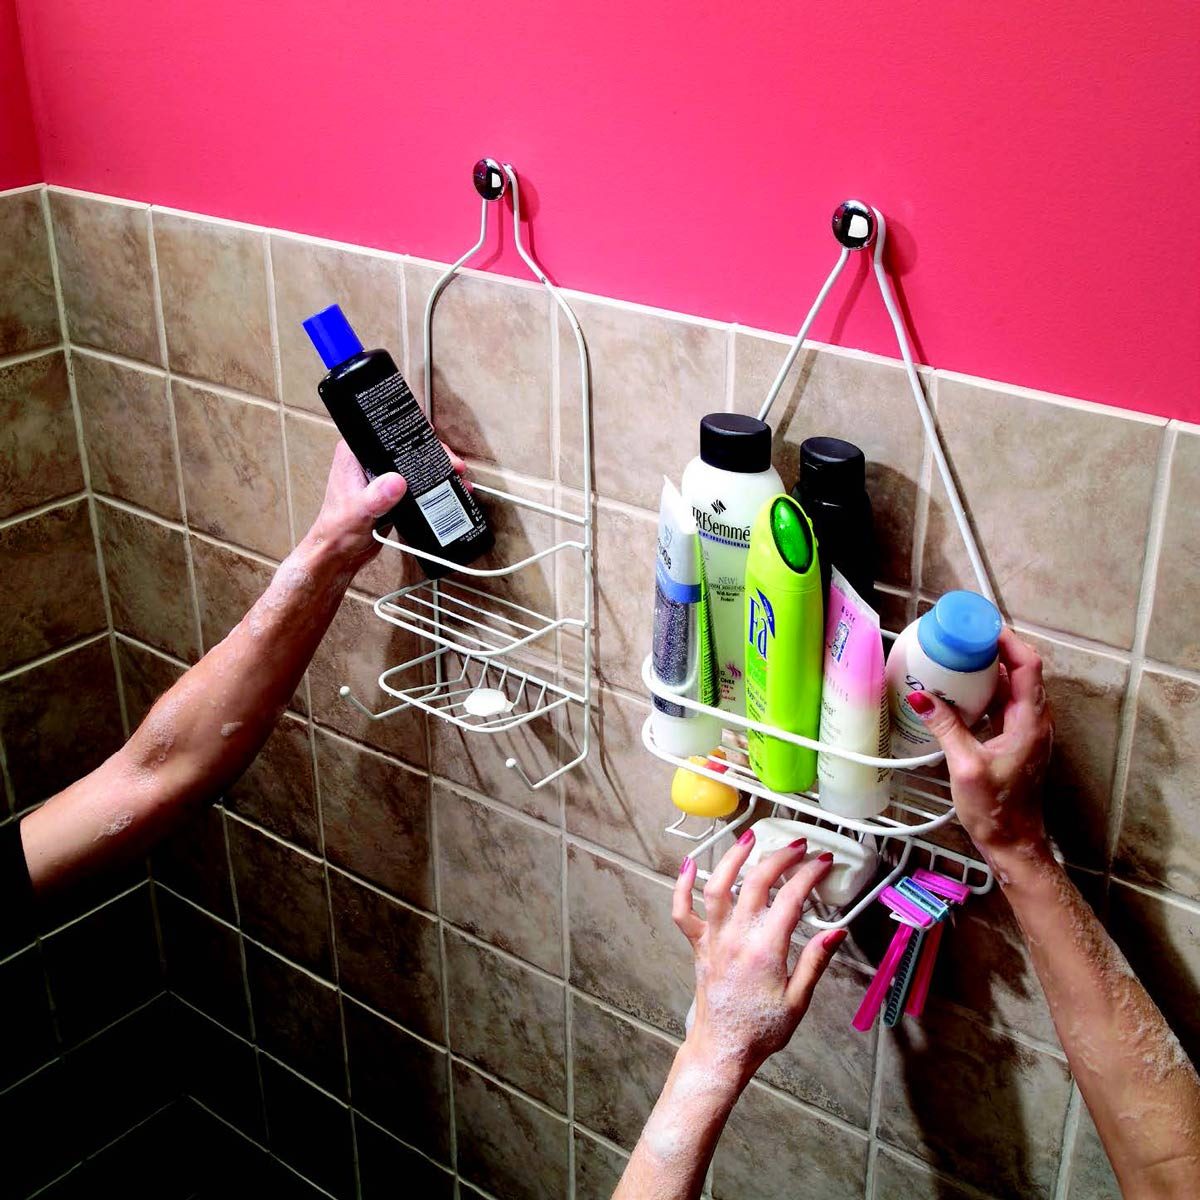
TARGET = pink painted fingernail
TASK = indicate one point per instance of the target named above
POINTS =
(825, 856)
(683, 866)
(797, 843)
(921, 704)
(834, 938)
(746, 838)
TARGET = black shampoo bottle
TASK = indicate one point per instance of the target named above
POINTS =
(386, 429)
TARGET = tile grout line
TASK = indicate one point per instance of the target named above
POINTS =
(84, 464)
(1062, 1185)
(25, 356)
(257, 1145)
(40, 510)
(129, 640)
(1145, 607)
(160, 320)
(435, 861)
(91, 912)
(362, 1116)
(21, 189)
(568, 1003)
(44, 1189)
(873, 1108)
(402, 317)
(160, 325)
(42, 660)
(921, 516)
(333, 951)
(969, 1190)
(195, 381)
(10, 795)
(247, 994)
(1161, 893)
(277, 370)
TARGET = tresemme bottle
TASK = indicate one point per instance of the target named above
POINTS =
(385, 427)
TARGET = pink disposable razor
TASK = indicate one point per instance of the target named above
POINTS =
(942, 885)
(905, 907)
(949, 889)
(924, 973)
(876, 993)
(872, 1002)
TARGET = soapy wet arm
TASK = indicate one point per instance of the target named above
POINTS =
(1142, 1092)
(203, 733)
(748, 1005)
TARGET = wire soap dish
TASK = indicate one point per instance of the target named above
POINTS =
(474, 684)
(921, 802)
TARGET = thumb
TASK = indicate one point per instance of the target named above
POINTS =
(943, 721)
(384, 492)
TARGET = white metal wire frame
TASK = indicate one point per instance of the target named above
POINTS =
(920, 803)
(473, 629)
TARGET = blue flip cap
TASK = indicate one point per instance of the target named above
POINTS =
(961, 631)
(332, 335)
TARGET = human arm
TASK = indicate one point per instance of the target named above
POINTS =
(747, 1007)
(1142, 1092)
(203, 732)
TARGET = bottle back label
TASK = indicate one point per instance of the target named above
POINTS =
(394, 414)
(402, 429)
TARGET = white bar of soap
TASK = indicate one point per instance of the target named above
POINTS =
(853, 863)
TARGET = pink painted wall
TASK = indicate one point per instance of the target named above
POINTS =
(1038, 162)
(18, 146)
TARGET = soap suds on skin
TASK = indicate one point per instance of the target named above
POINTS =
(118, 823)
(1140, 1025)
(666, 1131)
(289, 579)
(160, 727)
(230, 728)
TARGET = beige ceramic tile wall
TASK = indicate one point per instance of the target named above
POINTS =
(60, 716)
(510, 953)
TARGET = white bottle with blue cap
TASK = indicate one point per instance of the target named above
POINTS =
(951, 652)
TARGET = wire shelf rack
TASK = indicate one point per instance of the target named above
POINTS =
(477, 694)
(468, 619)
(474, 684)
(920, 803)
(896, 857)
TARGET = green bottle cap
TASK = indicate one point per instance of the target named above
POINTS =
(792, 534)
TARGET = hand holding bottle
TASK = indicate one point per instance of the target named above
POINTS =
(997, 784)
(352, 505)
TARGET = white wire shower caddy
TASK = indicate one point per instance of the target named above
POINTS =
(476, 685)
(921, 803)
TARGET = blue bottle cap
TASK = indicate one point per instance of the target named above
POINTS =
(961, 631)
(331, 334)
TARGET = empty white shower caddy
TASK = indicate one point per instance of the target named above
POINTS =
(468, 675)
(921, 805)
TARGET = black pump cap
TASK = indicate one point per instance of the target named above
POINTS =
(735, 442)
(831, 468)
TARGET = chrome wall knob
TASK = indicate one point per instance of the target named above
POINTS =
(854, 224)
(489, 178)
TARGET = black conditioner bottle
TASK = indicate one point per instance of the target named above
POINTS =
(377, 414)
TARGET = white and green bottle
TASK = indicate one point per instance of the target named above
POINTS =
(785, 643)
(725, 486)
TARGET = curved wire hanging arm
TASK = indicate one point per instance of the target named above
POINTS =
(492, 179)
(856, 226)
